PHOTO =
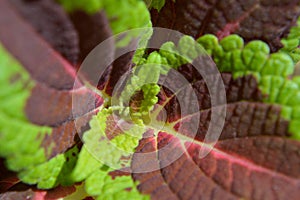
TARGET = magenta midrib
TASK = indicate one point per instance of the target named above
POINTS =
(252, 166)
(237, 22)
(219, 154)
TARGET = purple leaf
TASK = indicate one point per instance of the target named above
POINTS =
(250, 19)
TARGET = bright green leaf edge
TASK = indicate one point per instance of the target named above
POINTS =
(273, 71)
(20, 140)
(291, 44)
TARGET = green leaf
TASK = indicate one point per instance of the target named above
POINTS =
(109, 143)
(231, 55)
(185, 52)
(156, 4)
(98, 150)
(156, 64)
(101, 184)
(291, 43)
(127, 14)
(20, 141)
(65, 177)
(53, 172)
(85, 165)
(44, 175)
(271, 70)
(140, 80)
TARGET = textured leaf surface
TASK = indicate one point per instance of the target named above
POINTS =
(245, 88)
(248, 125)
(110, 141)
(231, 55)
(253, 158)
(235, 168)
(272, 71)
(250, 19)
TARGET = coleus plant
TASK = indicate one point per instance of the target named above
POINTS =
(51, 150)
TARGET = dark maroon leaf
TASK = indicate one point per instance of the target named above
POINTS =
(62, 138)
(53, 24)
(52, 98)
(260, 167)
(151, 182)
(120, 66)
(55, 95)
(244, 88)
(47, 106)
(243, 119)
(118, 173)
(92, 30)
(252, 19)
(252, 159)
(7, 178)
